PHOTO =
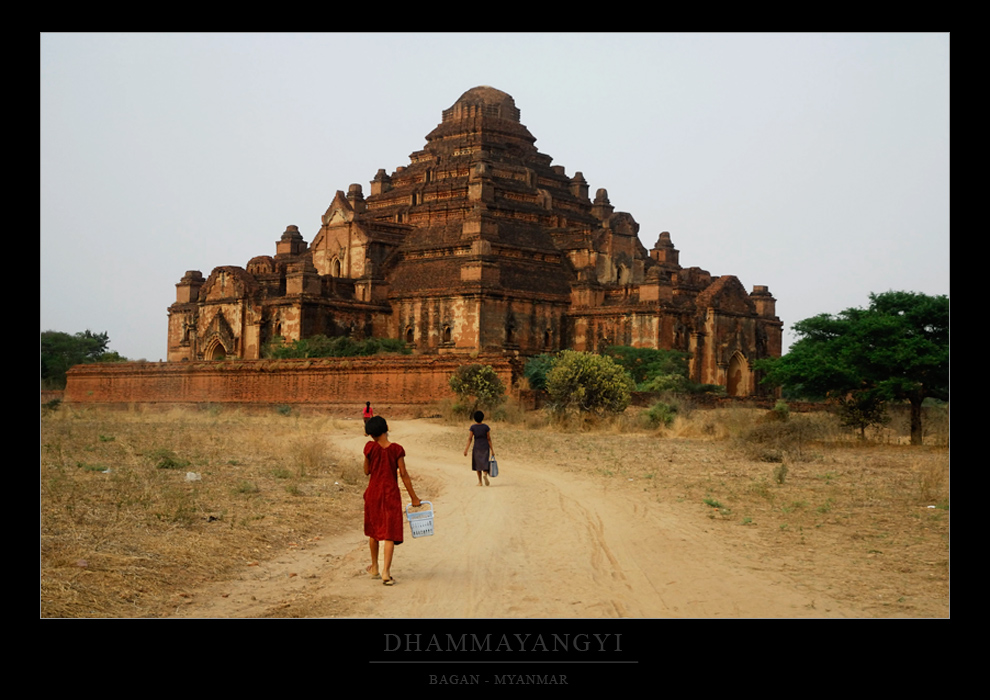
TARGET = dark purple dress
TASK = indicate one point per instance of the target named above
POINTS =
(479, 452)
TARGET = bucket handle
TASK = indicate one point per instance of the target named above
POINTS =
(430, 503)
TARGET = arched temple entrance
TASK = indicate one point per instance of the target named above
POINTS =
(215, 350)
(737, 377)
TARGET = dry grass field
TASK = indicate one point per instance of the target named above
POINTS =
(139, 510)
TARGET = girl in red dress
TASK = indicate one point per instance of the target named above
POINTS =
(384, 462)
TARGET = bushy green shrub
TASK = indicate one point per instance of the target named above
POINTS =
(478, 387)
(588, 382)
(661, 413)
(666, 384)
(780, 412)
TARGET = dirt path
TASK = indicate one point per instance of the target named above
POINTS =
(540, 542)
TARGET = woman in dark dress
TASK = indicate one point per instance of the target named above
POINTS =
(481, 434)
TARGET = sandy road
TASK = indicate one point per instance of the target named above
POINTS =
(540, 542)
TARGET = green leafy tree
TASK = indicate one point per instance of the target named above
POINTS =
(60, 351)
(477, 387)
(536, 369)
(588, 382)
(646, 364)
(659, 370)
(896, 349)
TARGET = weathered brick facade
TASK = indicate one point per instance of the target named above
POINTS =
(478, 245)
(392, 384)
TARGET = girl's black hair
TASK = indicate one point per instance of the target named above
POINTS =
(376, 426)
(478, 416)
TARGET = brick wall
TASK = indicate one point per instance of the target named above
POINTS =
(386, 382)
(48, 395)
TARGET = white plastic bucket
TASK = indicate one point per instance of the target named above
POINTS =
(421, 521)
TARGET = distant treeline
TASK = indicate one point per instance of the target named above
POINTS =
(60, 351)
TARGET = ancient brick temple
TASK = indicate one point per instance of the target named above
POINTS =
(479, 245)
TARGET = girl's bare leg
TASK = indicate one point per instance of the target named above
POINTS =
(373, 545)
(387, 550)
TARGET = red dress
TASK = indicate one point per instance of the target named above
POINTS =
(382, 500)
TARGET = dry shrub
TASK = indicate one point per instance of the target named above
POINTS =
(933, 479)
(774, 440)
(629, 421)
(714, 424)
(511, 412)
(577, 421)
(450, 411)
(567, 421)
(935, 422)
(309, 455)
(536, 420)
(346, 467)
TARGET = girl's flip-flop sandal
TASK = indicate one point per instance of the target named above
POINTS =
(388, 581)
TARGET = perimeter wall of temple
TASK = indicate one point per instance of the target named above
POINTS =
(324, 383)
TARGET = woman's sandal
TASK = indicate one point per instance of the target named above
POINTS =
(388, 581)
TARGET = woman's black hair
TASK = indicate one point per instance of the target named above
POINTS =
(376, 426)
(478, 416)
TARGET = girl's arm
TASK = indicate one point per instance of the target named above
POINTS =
(408, 482)
(367, 466)
(470, 438)
(491, 445)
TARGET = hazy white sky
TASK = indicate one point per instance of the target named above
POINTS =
(815, 164)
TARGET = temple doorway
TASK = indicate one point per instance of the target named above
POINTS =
(215, 350)
(737, 376)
